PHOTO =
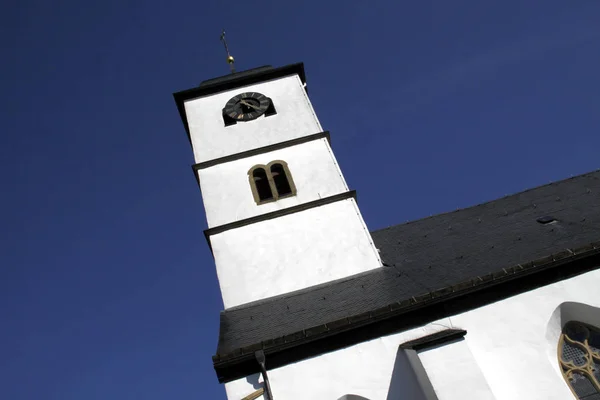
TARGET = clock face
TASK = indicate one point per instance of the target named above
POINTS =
(247, 106)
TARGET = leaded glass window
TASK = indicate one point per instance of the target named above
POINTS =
(579, 358)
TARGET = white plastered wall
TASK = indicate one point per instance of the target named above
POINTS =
(292, 252)
(508, 343)
(228, 197)
(212, 139)
(364, 369)
(454, 373)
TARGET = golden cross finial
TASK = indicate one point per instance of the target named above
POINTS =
(230, 59)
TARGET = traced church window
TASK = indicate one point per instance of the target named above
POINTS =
(579, 358)
(271, 182)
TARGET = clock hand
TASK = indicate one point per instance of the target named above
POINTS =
(249, 105)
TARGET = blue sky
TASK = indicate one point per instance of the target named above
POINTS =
(107, 286)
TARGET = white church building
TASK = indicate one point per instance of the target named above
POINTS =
(499, 301)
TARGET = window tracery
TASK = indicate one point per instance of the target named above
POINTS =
(579, 359)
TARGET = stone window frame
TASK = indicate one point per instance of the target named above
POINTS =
(274, 192)
(591, 354)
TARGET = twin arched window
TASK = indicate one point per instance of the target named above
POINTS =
(579, 358)
(271, 182)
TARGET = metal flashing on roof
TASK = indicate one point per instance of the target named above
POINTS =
(435, 339)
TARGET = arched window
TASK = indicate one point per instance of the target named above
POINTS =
(261, 183)
(579, 358)
(271, 182)
(282, 184)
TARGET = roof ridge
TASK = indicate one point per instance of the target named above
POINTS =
(489, 201)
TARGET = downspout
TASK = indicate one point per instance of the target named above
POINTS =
(260, 357)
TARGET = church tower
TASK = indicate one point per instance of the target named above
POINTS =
(280, 215)
(467, 303)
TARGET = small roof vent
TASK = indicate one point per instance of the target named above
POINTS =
(545, 219)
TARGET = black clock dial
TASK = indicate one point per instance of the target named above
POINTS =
(247, 106)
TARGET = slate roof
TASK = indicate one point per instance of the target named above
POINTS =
(427, 262)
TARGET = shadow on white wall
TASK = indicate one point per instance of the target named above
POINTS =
(404, 383)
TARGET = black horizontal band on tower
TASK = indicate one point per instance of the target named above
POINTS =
(278, 213)
(258, 150)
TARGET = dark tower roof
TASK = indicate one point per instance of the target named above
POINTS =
(434, 267)
(237, 76)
